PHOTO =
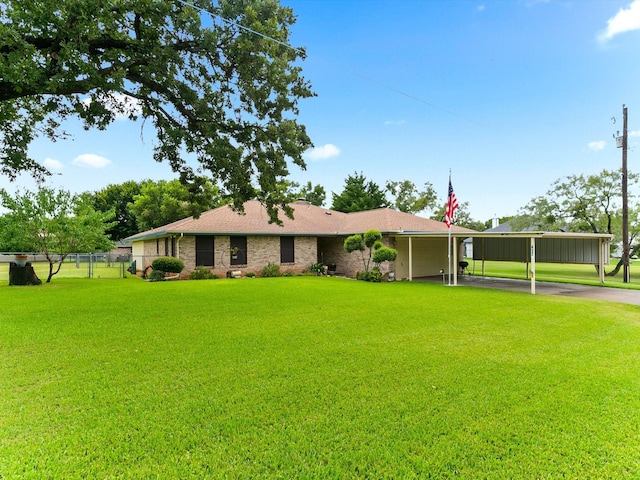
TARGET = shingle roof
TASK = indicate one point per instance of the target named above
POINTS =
(309, 220)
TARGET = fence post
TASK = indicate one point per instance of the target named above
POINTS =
(90, 265)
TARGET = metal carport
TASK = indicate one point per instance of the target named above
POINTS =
(529, 247)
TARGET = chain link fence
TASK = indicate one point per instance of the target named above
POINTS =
(76, 265)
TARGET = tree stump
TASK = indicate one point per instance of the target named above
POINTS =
(22, 275)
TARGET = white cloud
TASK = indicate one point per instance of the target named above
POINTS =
(52, 164)
(323, 152)
(626, 20)
(394, 122)
(91, 160)
(480, 8)
(634, 133)
(596, 146)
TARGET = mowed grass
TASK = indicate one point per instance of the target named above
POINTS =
(310, 377)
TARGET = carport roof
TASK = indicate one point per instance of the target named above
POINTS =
(532, 234)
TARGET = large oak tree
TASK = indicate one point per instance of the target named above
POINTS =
(219, 83)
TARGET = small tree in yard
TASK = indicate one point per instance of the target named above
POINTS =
(372, 250)
(55, 224)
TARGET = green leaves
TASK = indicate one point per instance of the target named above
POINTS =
(371, 248)
(354, 243)
(214, 85)
(579, 203)
(407, 197)
(54, 223)
(163, 202)
(359, 195)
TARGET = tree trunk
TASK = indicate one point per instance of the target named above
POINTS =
(23, 275)
(615, 271)
(50, 272)
(633, 251)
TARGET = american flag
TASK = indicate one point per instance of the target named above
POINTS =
(452, 204)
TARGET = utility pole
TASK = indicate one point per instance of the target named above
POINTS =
(625, 205)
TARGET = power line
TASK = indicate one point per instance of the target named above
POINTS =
(350, 72)
(413, 97)
(235, 24)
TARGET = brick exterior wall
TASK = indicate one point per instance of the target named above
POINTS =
(331, 252)
(262, 250)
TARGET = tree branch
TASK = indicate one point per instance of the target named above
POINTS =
(100, 45)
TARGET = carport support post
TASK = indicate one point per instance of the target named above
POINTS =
(601, 257)
(533, 266)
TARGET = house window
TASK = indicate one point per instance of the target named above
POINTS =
(238, 250)
(287, 250)
(169, 248)
(204, 251)
(157, 246)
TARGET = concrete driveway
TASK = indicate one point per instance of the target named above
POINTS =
(549, 288)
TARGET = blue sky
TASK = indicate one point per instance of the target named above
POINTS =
(509, 95)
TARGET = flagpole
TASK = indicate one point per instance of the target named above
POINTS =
(452, 204)
(449, 229)
(449, 254)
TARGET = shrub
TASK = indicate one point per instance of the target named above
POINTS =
(288, 273)
(317, 268)
(250, 275)
(156, 276)
(271, 270)
(202, 273)
(168, 264)
(373, 275)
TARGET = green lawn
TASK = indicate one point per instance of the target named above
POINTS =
(313, 377)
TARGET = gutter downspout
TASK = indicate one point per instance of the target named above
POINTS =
(410, 259)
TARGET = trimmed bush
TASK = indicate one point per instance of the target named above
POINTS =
(168, 264)
(271, 270)
(377, 252)
(384, 254)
